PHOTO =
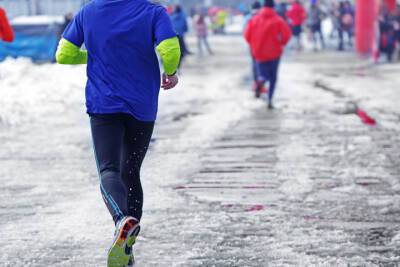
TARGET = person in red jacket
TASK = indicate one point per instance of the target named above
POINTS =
(267, 34)
(297, 15)
(6, 32)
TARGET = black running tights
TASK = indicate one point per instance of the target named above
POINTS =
(120, 143)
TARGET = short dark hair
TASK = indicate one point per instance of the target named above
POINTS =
(269, 3)
(256, 5)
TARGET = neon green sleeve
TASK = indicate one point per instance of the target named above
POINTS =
(70, 54)
(170, 52)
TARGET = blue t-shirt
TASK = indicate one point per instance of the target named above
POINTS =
(123, 70)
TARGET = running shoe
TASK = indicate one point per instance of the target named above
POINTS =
(259, 89)
(126, 232)
(129, 249)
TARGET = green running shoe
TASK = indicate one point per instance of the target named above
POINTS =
(129, 249)
(126, 232)
(131, 261)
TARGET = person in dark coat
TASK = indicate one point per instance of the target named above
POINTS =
(179, 22)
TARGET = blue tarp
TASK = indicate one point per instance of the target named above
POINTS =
(38, 42)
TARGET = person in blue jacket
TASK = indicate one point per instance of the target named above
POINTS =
(121, 38)
(179, 22)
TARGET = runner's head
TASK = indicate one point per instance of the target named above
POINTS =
(269, 3)
(178, 9)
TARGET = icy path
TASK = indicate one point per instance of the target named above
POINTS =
(307, 184)
(226, 182)
(51, 210)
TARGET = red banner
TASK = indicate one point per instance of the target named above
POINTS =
(366, 25)
(391, 5)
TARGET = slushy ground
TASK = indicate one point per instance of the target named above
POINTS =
(227, 182)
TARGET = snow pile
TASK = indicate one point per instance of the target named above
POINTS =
(29, 91)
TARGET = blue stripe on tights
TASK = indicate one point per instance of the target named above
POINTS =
(107, 196)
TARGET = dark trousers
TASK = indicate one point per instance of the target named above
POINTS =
(120, 143)
(254, 69)
(203, 41)
(342, 32)
(317, 33)
(268, 71)
(183, 46)
(297, 30)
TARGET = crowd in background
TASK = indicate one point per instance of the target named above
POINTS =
(321, 23)
(389, 29)
(309, 17)
(203, 20)
(270, 25)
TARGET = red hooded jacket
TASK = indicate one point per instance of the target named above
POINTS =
(296, 14)
(267, 34)
(6, 32)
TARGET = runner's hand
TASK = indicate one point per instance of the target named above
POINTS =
(169, 82)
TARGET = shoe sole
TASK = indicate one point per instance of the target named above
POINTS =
(117, 256)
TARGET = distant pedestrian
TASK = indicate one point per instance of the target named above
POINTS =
(346, 23)
(397, 30)
(180, 24)
(6, 32)
(333, 11)
(387, 38)
(315, 18)
(297, 15)
(201, 29)
(122, 100)
(221, 17)
(67, 20)
(267, 34)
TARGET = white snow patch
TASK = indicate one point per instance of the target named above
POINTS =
(37, 20)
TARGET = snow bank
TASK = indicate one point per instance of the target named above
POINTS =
(37, 20)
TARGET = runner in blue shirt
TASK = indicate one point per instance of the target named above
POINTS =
(121, 37)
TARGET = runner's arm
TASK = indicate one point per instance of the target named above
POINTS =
(170, 53)
(70, 54)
